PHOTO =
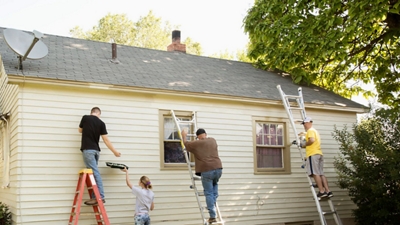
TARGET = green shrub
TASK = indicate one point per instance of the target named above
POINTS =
(369, 165)
(5, 214)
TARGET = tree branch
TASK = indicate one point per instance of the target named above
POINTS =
(369, 46)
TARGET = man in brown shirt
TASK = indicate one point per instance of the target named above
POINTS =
(208, 164)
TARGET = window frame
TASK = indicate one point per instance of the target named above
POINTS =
(163, 113)
(286, 169)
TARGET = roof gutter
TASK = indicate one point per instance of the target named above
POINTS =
(17, 80)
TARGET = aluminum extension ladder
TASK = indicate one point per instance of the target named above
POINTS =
(191, 125)
(295, 103)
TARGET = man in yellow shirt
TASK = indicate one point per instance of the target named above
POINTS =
(315, 159)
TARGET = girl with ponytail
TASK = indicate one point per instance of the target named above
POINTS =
(144, 199)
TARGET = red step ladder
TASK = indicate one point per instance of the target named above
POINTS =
(86, 176)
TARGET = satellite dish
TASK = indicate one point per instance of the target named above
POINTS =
(25, 45)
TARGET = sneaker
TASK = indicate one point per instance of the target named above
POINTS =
(212, 220)
(93, 202)
(330, 194)
(322, 195)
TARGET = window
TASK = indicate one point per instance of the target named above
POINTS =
(172, 155)
(271, 152)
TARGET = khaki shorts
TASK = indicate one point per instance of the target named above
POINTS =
(315, 165)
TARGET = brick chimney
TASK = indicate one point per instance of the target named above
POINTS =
(176, 43)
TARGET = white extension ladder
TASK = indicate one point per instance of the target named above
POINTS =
(295, 103)
(191, 125)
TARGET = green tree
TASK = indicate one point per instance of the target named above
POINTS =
(330, 43)
(239, 55)
(148, 32)
(152, 32)
(369, 165)
(111, 28)
(192, 47)
(224, 55)
(242, 55)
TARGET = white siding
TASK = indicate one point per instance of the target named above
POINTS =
(9, 103)
(49, 150)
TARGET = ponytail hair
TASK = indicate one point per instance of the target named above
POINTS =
(146, 182)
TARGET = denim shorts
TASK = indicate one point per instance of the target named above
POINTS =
(142, 219)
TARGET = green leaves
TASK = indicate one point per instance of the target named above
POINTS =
(5, 214)
(329, 42)
(368, 166)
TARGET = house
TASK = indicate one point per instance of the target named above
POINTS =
(136, 88)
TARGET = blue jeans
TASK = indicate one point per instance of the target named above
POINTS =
(91, 159)
(210, 180)
(142, 219)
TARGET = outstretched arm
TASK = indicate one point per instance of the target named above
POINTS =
(109, 145)
(128, 183)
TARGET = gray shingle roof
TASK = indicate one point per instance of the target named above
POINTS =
(89, 61)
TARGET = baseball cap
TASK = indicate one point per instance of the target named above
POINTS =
(307, 120)
(200, 131)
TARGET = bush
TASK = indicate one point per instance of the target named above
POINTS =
(369, 165)
(5, 214)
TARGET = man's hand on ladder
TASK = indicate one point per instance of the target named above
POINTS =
(302, 143)
(184, 133)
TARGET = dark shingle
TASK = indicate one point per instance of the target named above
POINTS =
(89, 61)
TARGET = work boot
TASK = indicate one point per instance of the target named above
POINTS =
(212, 220)
(93, 202)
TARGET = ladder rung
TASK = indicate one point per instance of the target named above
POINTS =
(292, 96)
(329, 213)
(191, 163)
(200, 193)
(196, 177)
(85, 214)
(296, 108)
(185, 122)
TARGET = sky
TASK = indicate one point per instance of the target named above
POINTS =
(215, 24)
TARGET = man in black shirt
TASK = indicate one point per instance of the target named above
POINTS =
(92, 127)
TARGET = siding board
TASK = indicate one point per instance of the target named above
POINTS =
(49, 149)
